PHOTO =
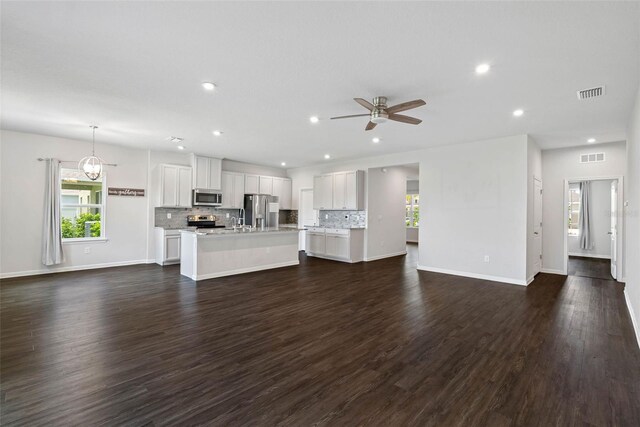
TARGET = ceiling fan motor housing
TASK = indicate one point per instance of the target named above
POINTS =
(379, 113)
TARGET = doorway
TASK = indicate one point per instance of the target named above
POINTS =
(592, 227)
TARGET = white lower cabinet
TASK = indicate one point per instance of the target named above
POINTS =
(335, 243)
(167, 246)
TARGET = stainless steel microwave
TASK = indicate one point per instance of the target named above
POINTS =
(206, 198)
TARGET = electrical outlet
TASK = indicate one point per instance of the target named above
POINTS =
(87, 250)
(168, 215)
(227, 215)
(326, 216)
(486, 258)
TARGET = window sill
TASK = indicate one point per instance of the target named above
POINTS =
(85, 240)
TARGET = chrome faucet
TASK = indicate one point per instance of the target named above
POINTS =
(241, 219)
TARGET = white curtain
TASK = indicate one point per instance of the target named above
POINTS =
(51, 228)
(584, 222)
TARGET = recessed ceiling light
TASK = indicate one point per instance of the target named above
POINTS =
(482, 68)
(217, 132)
(208, 86)
(180, 147)
(326, 156)
(175, 139)
(314, 119)
(591, 140)
(283, 164)
(375, 140)
(518, 113)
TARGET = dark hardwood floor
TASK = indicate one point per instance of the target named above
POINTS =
(322, 343)
(590, 267)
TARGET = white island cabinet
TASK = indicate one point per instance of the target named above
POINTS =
(217, 253)
(339, 244)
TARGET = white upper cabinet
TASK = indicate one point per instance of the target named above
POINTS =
(251, 184)
(339, 191)
(266, 185)
(207, 172)
(232, 190)
(175, 186)
(282, 189)
(323, 192)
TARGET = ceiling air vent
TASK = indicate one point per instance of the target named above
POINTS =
(591, 93)
(592, 158)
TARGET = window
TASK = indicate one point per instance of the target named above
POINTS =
(81, 205)
(412, 217)
(573, 211)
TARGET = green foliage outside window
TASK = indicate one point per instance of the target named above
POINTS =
(76, 228)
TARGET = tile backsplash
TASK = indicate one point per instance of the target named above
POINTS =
(343, 219)
(179, 216)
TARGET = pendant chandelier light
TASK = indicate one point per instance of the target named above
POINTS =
(91, 165)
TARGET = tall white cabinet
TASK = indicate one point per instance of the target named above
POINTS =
(175, 186)
(339, 191)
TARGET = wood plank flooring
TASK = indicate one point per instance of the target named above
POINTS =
(323, 343)
(590, 267)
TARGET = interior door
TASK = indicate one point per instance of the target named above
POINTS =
(614, 228)
(537, 226)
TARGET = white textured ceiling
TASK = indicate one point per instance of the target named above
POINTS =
(135, 68)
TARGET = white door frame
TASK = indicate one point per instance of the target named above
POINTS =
(533, 215)
(565, 225)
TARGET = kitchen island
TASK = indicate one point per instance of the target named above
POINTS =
(216, 253)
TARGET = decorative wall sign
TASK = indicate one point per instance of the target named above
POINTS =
(133, 192)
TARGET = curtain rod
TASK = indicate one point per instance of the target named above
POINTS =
(40, 159)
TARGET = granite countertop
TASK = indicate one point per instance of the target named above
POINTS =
(355, 227)
(237, 232)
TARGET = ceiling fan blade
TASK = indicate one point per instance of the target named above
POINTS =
(370, 126)
(404, 119)
(406, 106)
(366, 104)
(348, 117)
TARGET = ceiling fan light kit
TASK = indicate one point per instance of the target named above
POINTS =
(379, 112)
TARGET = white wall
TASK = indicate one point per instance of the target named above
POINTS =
(558, 165)
(241, 167)
(22, 196)
(534, 171)
(600, 222)
(632, 217)
(473, 197)
(386, 231)
(474, 200)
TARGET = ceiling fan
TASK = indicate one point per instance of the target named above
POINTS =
(380, 113)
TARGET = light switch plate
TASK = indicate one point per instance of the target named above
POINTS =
(168, 215)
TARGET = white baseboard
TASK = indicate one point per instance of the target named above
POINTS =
(599, 256)
(634, 322)
(474, 275)
(73, 268)
(530, 279)
(552, 271)
(412, 241)
(375, 258)
(245, 270)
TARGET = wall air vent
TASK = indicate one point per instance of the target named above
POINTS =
(591, 92)
(592, 158)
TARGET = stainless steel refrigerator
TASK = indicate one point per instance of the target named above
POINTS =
(261, 210)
